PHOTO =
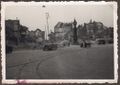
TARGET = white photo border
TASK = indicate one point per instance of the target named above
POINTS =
(14, 81)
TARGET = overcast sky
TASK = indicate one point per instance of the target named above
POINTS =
(34, 16)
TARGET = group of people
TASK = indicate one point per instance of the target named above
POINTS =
(82, 43)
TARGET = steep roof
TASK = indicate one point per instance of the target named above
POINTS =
(61, 25)
(58, 25)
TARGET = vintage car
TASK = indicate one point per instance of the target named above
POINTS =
(85, 43)
(100, 41)
(50, 46)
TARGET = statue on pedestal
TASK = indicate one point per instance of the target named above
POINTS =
(75, 37)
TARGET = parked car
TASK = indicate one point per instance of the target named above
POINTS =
(85, 43)
(50, 46)
(100, 41)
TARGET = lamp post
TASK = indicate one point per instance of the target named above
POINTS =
(47, 23)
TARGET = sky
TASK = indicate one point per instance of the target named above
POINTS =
(34, 16)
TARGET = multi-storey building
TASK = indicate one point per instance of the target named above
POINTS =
(63, 31)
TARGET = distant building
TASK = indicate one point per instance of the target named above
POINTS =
(12, 24)
(92, 30)
(87, 31)
(15, 31)
(37, 35)
(82, 31)
(63, 31)
(12, 28)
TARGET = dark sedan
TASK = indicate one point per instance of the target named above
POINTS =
(50, 46)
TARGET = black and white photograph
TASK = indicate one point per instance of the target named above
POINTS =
(59, 42)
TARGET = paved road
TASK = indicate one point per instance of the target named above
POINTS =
(65, 63)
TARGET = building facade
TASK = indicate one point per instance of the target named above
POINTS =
(63, 31)
(36, 35)
(12, 29)
(93, 30)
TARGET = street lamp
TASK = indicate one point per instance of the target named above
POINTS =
(47, 23)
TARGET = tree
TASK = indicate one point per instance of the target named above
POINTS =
(23, 32)
(52, 37)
